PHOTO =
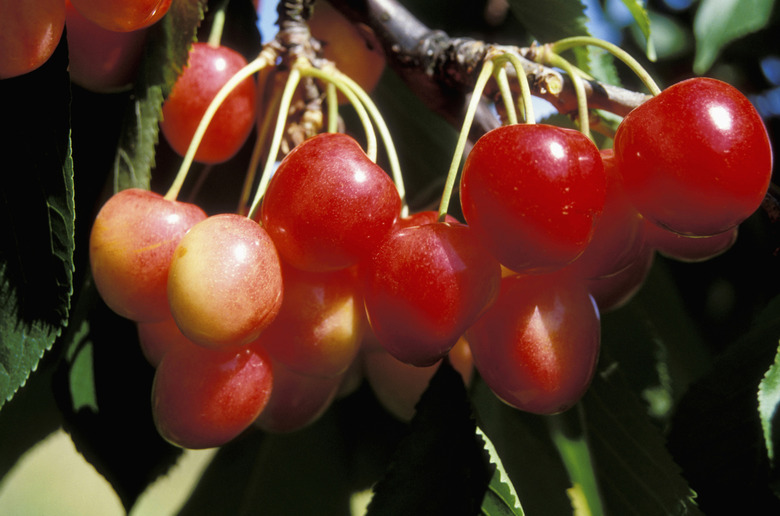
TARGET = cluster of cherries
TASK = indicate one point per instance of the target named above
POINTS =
(264, 320)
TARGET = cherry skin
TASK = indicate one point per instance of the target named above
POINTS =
(208, 69)
(320, 325)
(619, 233)
(158, 337)
(398, 386)
(225, 282)
(354, 49)
(131, 246)
(202, 398)
(533, 193)
(123, 15)
(689, 249)
(615, 291)
(425, 286)
(537, 346)
(296, 401)
(695, 159)
(101, 60)
(29, 34)
(328, 206)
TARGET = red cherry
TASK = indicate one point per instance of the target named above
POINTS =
(696, 158)
(29, 34)
(100, 59)
(123, 15)
(685, 248)
(320, 325)
(225, 282)
(424, 287)
(202, 398)
(158, 337)
(538, 345)
(296, 401)
(613, 292)
(131, 246)
(208, 69)
(328, 205)
(619, 233)
(533, 193)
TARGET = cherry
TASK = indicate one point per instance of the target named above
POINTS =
(691, 249)
(398, 385)
(354, 49)
(202, 398)
(208, 69)
(225, 282)
(158, 337)
(101, 60)
(613, 292)
(328, 206)
(532, 193)
(296, 401)
(538, 345)
(320, 325)
(424, 287)
(123, 15)
(619, 233)
(696, 158)
(131, 246)
(29, 34)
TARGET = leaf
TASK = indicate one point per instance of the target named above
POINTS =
(440, 467)
(719, 22)
(636, 473)
(165, 55)
(500, 497)
(768, 400)
(551, 20)
(642, 19)
(36, 218)
(716, 433)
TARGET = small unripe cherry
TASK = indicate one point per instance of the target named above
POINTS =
(225, 282)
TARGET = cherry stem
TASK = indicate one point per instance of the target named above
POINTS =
(553, 59)
(525, 87)
(247, 71)
(218, 24)
(281, 119)
(476, 97)
(577, 41)
(332, 101)
(506, 94)
(337, 80)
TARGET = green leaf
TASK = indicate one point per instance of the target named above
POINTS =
(629, 451)
(165, 55)
(719, 22)
(551, 20)
(441, 466)
(642, 19)
(716, 433)
(500, 498)
(36, 218)
(768, 401)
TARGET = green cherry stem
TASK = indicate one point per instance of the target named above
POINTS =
(577, 41)
(476, 96)
(218, 24)
(332, 101)
(506, 94)
(525, 87)
(276, 141)
(553, 59)
(257, 64)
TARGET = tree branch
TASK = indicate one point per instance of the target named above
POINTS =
(441, 70)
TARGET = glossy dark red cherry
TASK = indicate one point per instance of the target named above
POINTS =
(533, 193)
(696, 159)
